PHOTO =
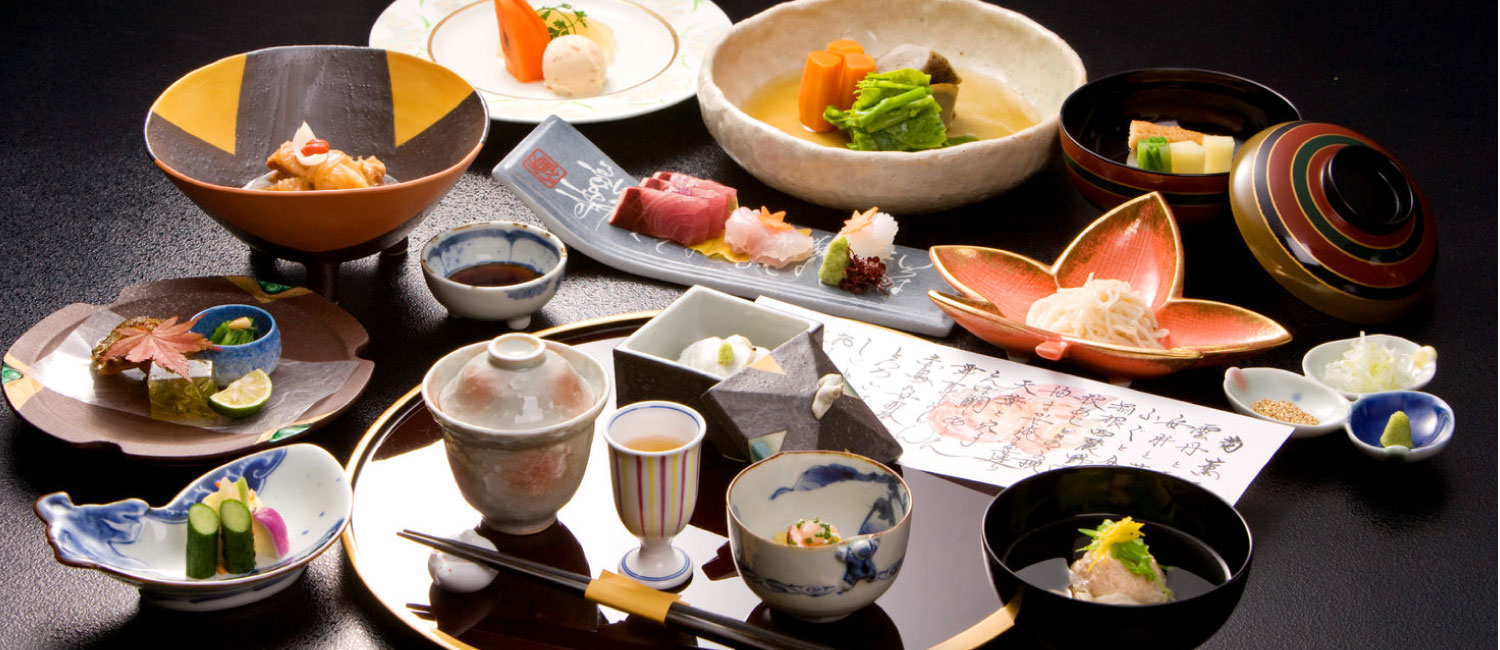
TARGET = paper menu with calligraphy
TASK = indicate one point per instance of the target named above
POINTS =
(981, 418)
(572, 186)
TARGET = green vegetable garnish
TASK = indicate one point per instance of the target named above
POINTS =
(893, 111)
(726, 354)
(234, 332)
(1122, 540)
(568, 22)
(1153, 154)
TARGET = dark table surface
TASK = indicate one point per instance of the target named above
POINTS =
(1350, 553)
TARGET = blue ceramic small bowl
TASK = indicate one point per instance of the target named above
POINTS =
(470, 246)
(1431, 424)
(869, 504)
(147, 547)
(234, 361)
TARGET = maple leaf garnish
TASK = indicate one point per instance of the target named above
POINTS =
(165, 345)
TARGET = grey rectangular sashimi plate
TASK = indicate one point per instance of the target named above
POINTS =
(572, 186)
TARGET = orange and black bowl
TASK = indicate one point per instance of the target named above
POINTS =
(1096, 122)
(212, 130)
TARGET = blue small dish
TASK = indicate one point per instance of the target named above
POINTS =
(234, 361)
(1431, 424)
(147, 547)
(494, 242)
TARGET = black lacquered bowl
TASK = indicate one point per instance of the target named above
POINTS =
(1096, 120)
(1053, 620)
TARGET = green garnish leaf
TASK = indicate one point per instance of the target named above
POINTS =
(1136, 557)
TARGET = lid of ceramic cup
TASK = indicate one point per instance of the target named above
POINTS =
(1335, 219)
(517, 383)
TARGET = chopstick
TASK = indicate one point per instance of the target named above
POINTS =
(706, 624)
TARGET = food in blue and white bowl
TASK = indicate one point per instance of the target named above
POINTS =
(818, 534)
(147, 547)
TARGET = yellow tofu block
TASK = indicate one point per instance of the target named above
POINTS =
(1218, 153)
(1187, 157)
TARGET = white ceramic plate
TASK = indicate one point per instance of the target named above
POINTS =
(660, 48)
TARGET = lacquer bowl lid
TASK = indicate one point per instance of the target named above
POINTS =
(1335, 219)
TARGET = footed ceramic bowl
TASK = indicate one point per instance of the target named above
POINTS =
(510, 242)
(1315, 362)
(234, 361)
(1137, 242)
(1245, 386)
(1096, 120)
(1431, 424)
(868, 503)
(211, 131)
(518, 478)
(146, 547)
(979, 39)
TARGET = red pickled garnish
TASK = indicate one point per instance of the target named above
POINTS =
(315, 146)
(864, 274)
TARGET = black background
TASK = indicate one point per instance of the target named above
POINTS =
(1350, 553)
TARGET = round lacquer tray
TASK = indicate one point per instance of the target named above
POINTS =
(312, 328)
(401, 480)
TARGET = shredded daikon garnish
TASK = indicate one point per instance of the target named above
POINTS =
(1367, 367)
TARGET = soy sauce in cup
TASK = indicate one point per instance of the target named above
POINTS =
(494, 274)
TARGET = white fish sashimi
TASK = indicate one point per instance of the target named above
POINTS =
(871, 234)
(755, 233)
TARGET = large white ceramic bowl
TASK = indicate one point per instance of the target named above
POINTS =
(868, 503)
(147, 547)
(517, 478)
(978, 38)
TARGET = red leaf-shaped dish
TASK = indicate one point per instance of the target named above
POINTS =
(1137, 242)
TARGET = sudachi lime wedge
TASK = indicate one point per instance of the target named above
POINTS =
(244, 396)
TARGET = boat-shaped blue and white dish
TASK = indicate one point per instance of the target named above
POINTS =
(146, 547)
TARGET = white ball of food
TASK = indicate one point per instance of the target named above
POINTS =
(573, 66)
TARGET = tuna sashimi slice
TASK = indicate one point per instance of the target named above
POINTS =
(683, 218)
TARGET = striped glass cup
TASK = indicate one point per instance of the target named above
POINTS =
(654, 454)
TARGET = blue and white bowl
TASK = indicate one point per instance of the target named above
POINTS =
(512, 242)
(869, 505)
(146, 547)
(1431, 424)
(234, 361)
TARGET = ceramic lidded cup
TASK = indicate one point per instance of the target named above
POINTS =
(517, 415)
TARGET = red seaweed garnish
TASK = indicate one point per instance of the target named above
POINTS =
(864, 274)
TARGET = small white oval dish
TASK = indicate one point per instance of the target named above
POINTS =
(146, 547)
(1243, 386)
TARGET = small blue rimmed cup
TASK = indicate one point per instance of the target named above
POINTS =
(535, 256)
(234, 361)
(1431, 424)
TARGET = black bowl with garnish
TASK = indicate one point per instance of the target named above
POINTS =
(1032, 532)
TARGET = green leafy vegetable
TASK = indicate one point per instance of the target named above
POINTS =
(234, 332)
(568, 19)
(893, 111)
